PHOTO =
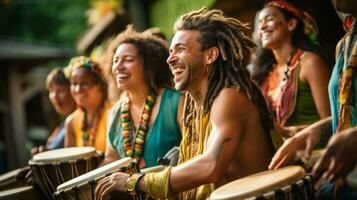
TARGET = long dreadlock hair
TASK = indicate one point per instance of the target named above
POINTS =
(230, 67)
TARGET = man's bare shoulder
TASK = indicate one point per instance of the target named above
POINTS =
(232, 102)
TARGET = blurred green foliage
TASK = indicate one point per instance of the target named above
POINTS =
(58, 22)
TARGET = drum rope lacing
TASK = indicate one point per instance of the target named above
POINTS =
(295, 192)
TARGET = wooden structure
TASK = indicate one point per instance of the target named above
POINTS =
(18, 86)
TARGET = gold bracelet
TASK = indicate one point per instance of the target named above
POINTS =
(132, 183)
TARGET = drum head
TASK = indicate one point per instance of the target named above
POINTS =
(352, 179)
(260, 183)
(102, 171)
(63, 154)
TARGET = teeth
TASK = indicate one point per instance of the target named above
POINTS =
(177, 71)
(122, 75)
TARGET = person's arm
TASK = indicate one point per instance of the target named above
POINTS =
(70, 138)
(227, 123)
(339, 157)
(110, 154)
(316, 73)
(304, 140)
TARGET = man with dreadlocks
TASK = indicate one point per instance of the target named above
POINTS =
(226, 120)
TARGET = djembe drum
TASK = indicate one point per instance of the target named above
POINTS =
(286, 183)
(83, 187)
(51, 168)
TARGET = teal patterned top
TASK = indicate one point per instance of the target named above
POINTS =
(161, 136)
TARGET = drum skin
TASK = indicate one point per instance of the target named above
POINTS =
(258, 184)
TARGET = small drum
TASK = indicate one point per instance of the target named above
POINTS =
(12, 179)
(83, 187)
(21, 193)
(285, 183)
(51, 168)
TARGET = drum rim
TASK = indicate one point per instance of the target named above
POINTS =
(94, 174)
(16, 190)
(220, 193)
(287, 188)
(91, 152)
(10, 174)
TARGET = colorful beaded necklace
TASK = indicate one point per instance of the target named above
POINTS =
(136, 150)
(90, 131)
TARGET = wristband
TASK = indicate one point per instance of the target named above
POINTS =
(132, 183)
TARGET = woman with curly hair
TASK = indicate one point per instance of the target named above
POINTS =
(145, 122)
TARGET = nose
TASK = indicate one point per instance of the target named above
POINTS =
(171, 59)
(261, 25)
(53, 96)
(117, 66)
(77, 88)
(56, 95)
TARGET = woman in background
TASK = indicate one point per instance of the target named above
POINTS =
(87, 125)
(289, 67)
(60, 96)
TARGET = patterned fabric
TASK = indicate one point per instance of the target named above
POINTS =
(328, 190)
(194, 143)
(281, 98)
(310, 27)
(346, 95)
(85, 62)
(338, 111)
(161, 136)
(100, 135)
(305, 111)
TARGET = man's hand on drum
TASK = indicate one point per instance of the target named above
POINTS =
(340, 156)
(109, 184)
(304, 140)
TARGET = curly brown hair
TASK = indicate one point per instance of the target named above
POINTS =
(152, 49)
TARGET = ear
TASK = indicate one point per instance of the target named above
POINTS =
(211, 55)
(292, 24)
